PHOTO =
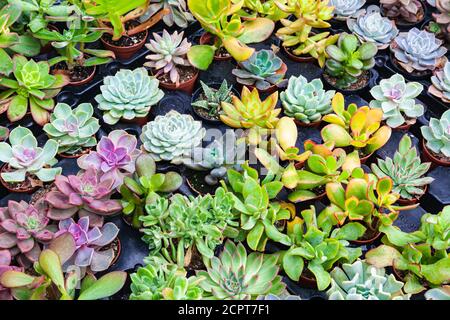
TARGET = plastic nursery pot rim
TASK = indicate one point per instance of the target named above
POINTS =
(365, 158)
(295, 58)
(74, 156)
(125, 52)
(408, 75)
(141, 121)
(273, 87)
(5, 184)
(314, 124)
(431, 157)
(368, 241)
(407, 202)
(372, 77)
(81, 82)
(116, 254)
(406, 125)
(187, 86)
(205, 39)
(403, 25)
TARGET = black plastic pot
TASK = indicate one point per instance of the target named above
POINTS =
(373, 75)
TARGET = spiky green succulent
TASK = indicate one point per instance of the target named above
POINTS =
(437, 134)
(306, 101)
(178, 12)
(440, 86)
(73, 129)
(361, 281)
(397, 100)
(129, 94)
(172, 135)
(213, 98)
(234, 275)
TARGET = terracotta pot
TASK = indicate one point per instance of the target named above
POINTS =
(308, 125)
(308, 282)
(47, 48)
(368, 241)
(409, 75)
(405, 126)
(295, 58)
(187, 86)
(74, 156)
(403, 25)
(141, 121)
(273, 87)
(125, 52)
(372, 78)
(298, 165)
(119, 250)
(408, 202)
(7, 186)
(365, 158)
(208, 39)
(430, 157)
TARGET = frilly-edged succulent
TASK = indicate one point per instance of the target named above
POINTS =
(114, 157)
(22, 227)
(262, 70)
(372, 27)
(442, 293)
(409, 10)
(344, 9)
(441, 83)
(172, 135)
(361, 281)
(405, 169)
(213, 98)
(178, 12)
(235, 276)
(437, 134)
(25, 158)
(417, 50)
(397, 100)
(168, 53)
(84, 194)
(73, 129)
(89, 243)
(129, 94)
(306, 101)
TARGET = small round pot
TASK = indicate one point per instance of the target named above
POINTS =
(408, 202)
(187, 86)
(77, 83)
(47, 48)
(195, 189)
(365, 158)
(207, 39)
(405, 126)
(125, 52)
(404, 25)
(295, 58)
(119, 251)
(140, 121)
(273, 87)
(307, 282)
(367, 241)
(430, 157)
(6, 184)
(308, 125)
(409, 75)
(372, 78)
(74, 156)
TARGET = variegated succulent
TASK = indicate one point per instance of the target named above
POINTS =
(440, 86)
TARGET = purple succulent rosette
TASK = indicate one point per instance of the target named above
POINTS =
(22, 227)
(89, 242)
(86, 194)
(114, 157)
(5, 265)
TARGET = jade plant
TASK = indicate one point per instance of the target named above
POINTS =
(344, 9)
(178, 12)
(221, 19)
(349, 59)
(114, 157)
(420, 257)
(397, 100)
(145, 187)
(357, 127)
(441, 83)
(411, 11)
(361, 281)
(26, 161)
(171, 136)
(73, 129)
(33, 88)
(306, 101)
(437, 135)
(211, 99)
(262, 70)
(236, 275)
(406, 171)
(418, 51)
(129, 94)
(24, 228)
(168, 55)
(372, 27)
(318, 248)
(83, 194)
(266, 8)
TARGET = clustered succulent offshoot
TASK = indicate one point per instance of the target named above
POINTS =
(210, 100)
(440, 86)
(437, 135)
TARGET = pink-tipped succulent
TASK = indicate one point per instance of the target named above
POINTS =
(5, 265)
(23, 227)
(89, 243)
(114, 157)
(86, 194)
(410, 10)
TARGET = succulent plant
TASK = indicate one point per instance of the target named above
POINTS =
(26, 160)
(145, 187)
(397, 100)
(306, 101)
(234, 275)
(442, 293)
(262, 70)
(171, 136)
(409, 10)
(268, 9)
(213, 98)
(283, 296)
(361, 281)
(437, 134)
(417, 50)
(317, 248)
(23, 227)
(129, 94)
(313, 13)
(372, 27)
(5, 265)
(73, 129)
(442, 19)
(357, 127)
(89, 243)
(168, 54)
(32, 87)
(349, 59)
(114, 157)
(178, 12)
(344, 9)
(85, 194)
(440, 86)
(405, 169)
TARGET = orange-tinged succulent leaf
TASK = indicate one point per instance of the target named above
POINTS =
(358, 122)
(257, 30)
(336, 134)
(336, 193)
(357, 188)
(238, 50)
(379, 139)
(338, 103)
